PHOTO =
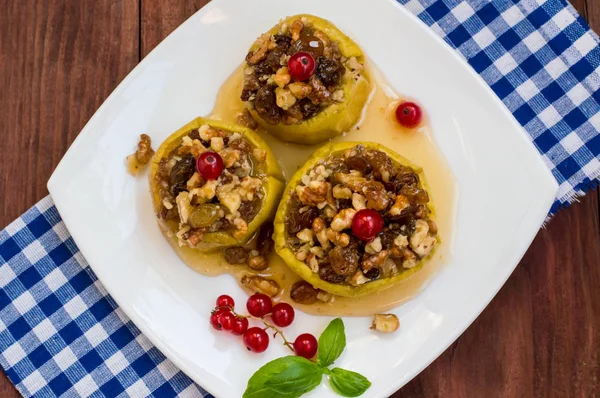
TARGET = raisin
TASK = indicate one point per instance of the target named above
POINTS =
(249, 209)
(236, 255)
(264, 241)
(308, 108)
(327, 274)
(182, 171)
(194, 134)
(329, 71)
(415, 195)
(303, 292)
(344, 260)
(359, 163)
(373, 274)
(282, 41)
(296, 221)
(265, 104)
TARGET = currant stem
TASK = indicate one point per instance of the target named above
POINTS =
(278, 331)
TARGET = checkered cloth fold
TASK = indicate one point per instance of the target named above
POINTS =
(543, 61)
(62, 335)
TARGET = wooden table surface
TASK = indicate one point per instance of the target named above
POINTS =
(60, 59)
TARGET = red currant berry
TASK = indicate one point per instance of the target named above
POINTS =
(259, 305)
(226, 320)
(409, 114)
(240, 325)
(214, 318)
(256, 339)
(283, 314)
(210, 165)
(366, 224)
(225, 301)
(301, 66)
(306, 345)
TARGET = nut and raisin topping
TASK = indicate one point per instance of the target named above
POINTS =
(211, 182)
(358, 216)
(294, 74)
(141, 156)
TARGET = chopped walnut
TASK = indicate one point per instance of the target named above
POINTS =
(338, 96)
(194, 181)
(142, 155)
(325, 297)
(386, 323)
(359, 202)
(317, 251)
(259, 154)
(343, 219)
(410, 258)
(338, 238)
(262, 285)
(314, 193)
(231, 200)
(241, 228)
(183, 206)
(258, 263)
(197, 149)
(401, 241)
(144, 152)
(311, 261)
(295, 29)
(284, 98)
(353, 64)
(206, 192)
(375, 260)
(373, 246)
(217, 143)
(358, 279)
(399, 205)
(282, 77)
(300, 90)
(320, 230)
(230, 156)
(306, 235)
(341, 192)
(261, 53)
(352, 181)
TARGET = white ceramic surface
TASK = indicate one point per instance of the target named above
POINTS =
(505, 192)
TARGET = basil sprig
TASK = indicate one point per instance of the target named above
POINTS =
(293, 376)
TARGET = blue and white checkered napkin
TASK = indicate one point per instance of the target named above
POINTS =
(60, 331)
(61, 334)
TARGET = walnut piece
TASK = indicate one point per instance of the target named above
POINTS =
(386, 323)
(142, 155)
(343, 219)
(262, 285)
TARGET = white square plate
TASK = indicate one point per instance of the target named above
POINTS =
(505, 191)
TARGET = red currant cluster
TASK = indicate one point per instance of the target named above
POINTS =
(256, 339)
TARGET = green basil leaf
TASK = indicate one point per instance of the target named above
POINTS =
(299, 377)
(256, 385)
(348, 383)
(331, 342)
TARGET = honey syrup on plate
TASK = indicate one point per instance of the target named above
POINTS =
(376, 125)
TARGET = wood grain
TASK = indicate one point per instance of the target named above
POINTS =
(59, 60)
(539, 337)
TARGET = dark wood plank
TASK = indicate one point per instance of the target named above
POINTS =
(59, 60)
(159, 18)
